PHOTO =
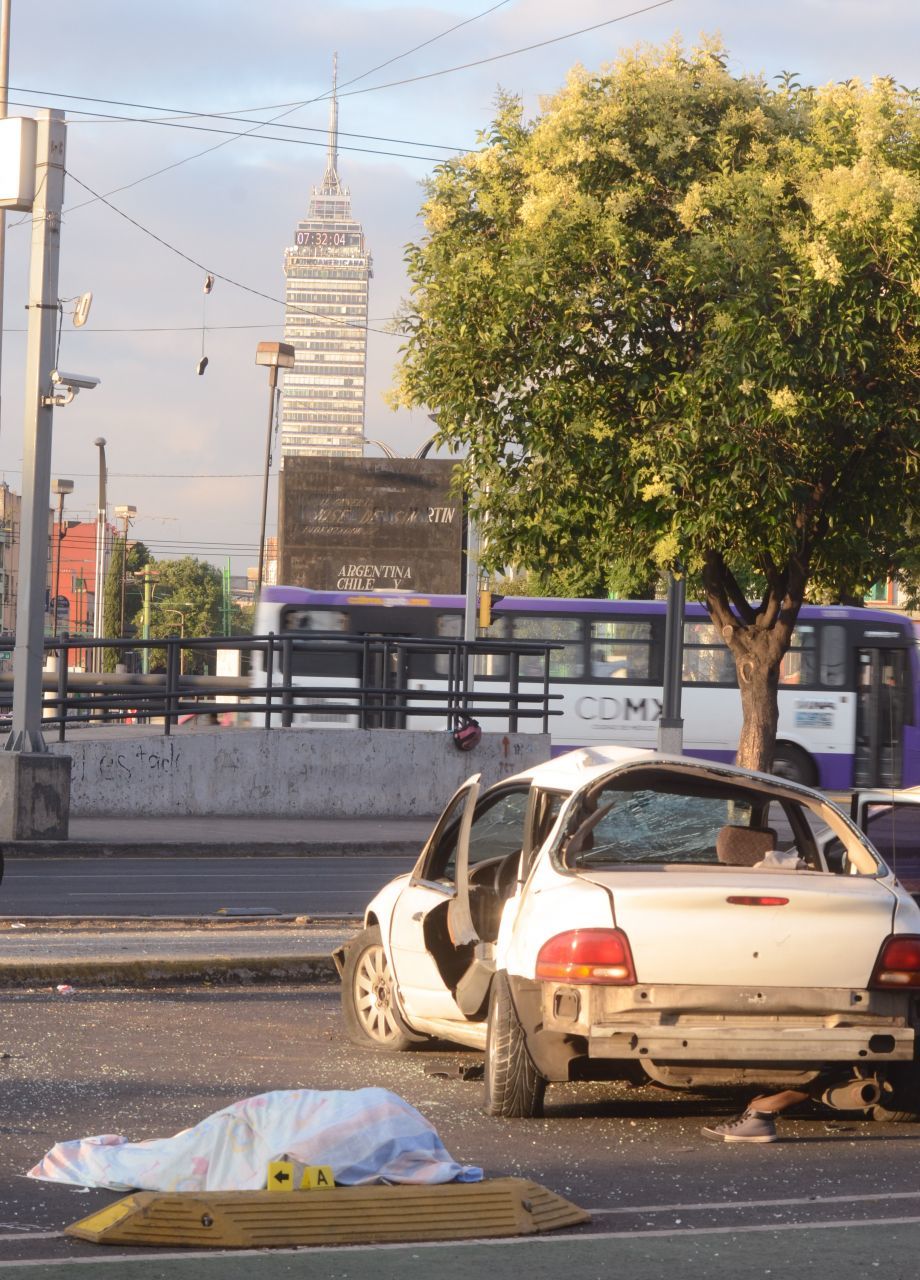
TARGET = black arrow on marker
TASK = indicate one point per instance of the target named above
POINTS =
(282, 1177)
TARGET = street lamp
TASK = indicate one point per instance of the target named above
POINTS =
(126, 514)
(275, 356)
(186, 604)
(61, 488)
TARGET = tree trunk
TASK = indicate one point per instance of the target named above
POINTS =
(758, 681)
(758, 638)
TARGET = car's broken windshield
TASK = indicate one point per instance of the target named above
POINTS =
(653, 826)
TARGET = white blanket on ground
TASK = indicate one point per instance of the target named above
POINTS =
(365, 1135)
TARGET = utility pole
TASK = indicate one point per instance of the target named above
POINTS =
(127, 514)
(29, 655)
(149, 575)
(61, 488)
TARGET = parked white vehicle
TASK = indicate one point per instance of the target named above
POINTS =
(618, 913)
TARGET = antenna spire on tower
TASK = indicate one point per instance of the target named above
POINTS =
(331, 177)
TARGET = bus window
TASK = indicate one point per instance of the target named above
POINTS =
(706, 659)
(564, 664)
(314, 620)
(621, 650)
(833, 655)
(799, 664)
(449, 626)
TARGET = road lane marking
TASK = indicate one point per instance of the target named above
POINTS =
(566, 1239)
(758, 1204)
(33, 1235)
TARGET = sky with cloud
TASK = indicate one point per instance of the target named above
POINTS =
(188, 451)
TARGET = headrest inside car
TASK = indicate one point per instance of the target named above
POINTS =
(743, 846)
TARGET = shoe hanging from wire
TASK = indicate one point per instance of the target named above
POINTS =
(206, 289)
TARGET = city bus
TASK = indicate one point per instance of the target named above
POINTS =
(849, 692)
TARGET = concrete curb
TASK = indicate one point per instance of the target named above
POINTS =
(165, 972)
(11, 850)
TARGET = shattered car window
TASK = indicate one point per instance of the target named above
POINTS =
(653, 826)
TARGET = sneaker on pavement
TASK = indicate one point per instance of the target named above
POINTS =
(751, 1126)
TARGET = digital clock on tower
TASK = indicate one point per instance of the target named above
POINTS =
(327, 239)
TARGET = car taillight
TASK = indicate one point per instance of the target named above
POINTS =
(898, 963)
(587, 955)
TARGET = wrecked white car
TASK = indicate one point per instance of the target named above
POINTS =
(619, 914)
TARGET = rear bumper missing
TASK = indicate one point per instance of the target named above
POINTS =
(744, 1041)
(794, 1028)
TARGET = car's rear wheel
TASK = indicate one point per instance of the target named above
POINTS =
(368, 996)
(514, 1086)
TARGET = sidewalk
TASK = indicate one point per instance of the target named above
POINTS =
(135, 953)
(217, 836)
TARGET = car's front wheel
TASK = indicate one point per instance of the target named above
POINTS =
(368, 996)
(514, 1086)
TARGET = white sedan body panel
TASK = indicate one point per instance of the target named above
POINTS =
(682, 925)
(551, 904)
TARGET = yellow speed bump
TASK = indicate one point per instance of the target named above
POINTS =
(341, 1215)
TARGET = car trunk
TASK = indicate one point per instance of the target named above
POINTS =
(769, 929)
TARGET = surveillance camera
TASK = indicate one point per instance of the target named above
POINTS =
(76, 381)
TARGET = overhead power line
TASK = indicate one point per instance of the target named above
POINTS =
(263, 137)
(233, 117)
(291, 108)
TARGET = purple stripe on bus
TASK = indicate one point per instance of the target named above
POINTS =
(534, 604)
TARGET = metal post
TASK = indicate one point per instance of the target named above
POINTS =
(671, 726)
(63, 662)
(99, 592)
(287, 681)
(29, 655)
(148, 593)
(172, 683)
(125, 513)
(272, 383)
(470, 609)
(269, 677)
(57, 571)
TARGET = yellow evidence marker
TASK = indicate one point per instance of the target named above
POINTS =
(280, 1175)
(316, 1177)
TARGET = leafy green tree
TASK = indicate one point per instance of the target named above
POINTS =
(675, 318)
(187, 600)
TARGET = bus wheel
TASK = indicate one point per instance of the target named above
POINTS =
(794, 764)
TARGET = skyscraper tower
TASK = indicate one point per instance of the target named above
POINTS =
(327, 270)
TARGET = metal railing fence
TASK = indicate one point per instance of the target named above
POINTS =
(389, 681)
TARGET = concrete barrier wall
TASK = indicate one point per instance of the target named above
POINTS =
(285, 772)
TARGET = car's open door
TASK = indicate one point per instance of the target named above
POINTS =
(428, 959)
(891, 820)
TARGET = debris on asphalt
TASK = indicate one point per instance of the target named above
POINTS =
(64, 989)
(459, 1071)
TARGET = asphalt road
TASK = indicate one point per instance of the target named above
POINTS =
(836, 1197)
(180, 886)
